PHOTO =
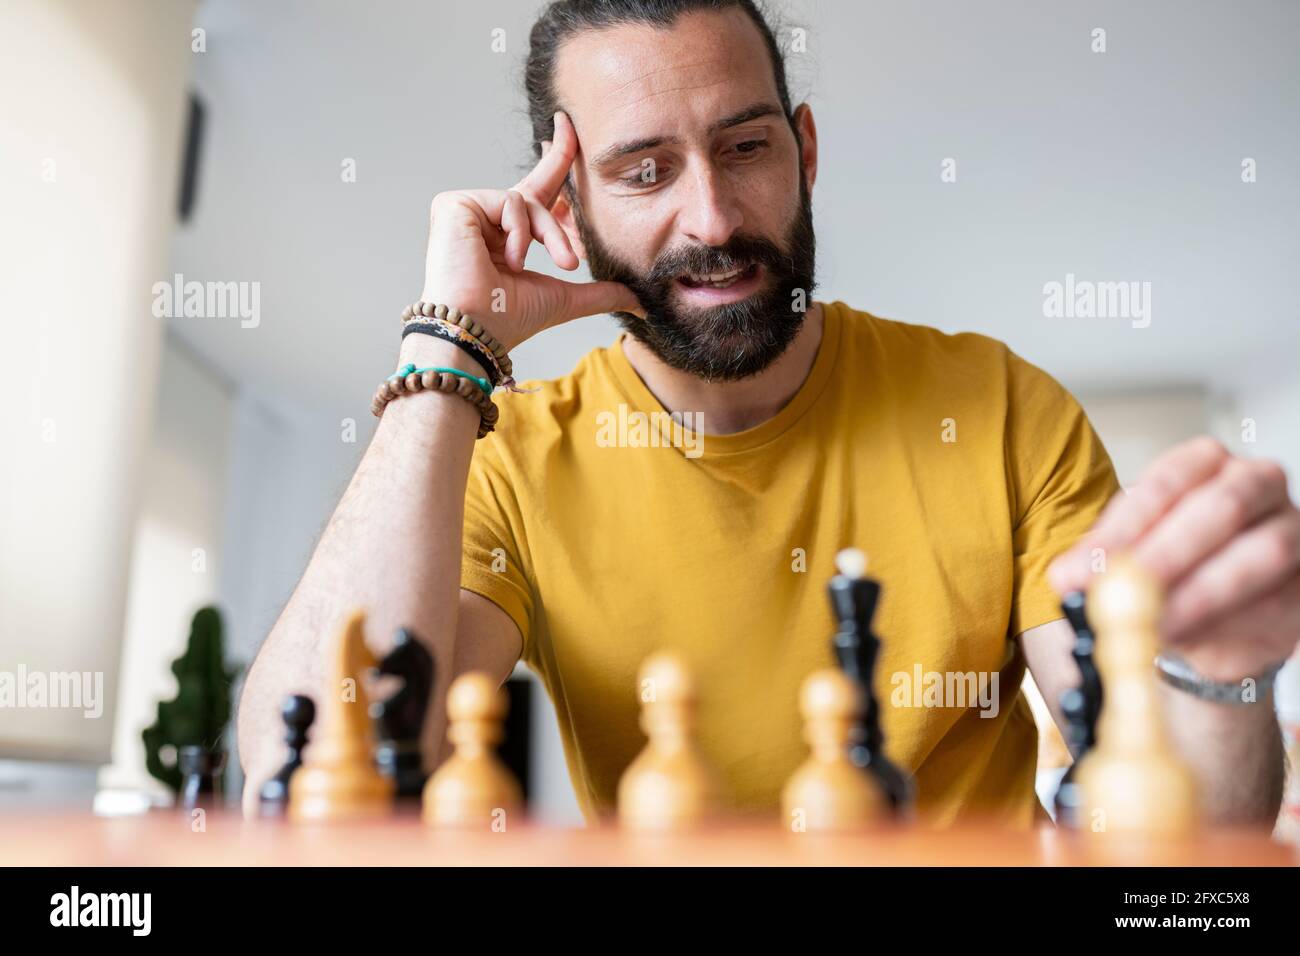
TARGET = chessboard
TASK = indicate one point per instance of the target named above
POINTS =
(361, 794)
(225, 838)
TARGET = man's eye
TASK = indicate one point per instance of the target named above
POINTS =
(751, 146)
(642, 179)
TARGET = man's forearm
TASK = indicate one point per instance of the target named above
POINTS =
(392, 548)
(1235, 753)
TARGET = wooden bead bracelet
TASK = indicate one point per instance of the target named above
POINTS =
(477, 391)
(453, 315)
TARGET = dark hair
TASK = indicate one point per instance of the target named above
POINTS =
(564, 18)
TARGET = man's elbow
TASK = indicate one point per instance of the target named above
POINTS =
(254, 737)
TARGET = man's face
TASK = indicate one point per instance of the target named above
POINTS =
(688, 169)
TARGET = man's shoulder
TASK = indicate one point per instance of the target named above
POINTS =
(893, 338)
(924, 359)
(916, 358)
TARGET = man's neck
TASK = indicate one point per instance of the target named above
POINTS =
(730, 407)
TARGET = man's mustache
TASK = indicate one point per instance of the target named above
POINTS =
(703, 260)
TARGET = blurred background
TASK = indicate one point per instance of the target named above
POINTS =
(156, 460)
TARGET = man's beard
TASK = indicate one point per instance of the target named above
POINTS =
(733, 340)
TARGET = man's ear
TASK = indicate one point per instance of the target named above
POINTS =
(562, 210)
(803, 121)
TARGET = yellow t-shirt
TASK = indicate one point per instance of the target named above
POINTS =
(960, 469)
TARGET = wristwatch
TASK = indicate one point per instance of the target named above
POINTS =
(1178, 673)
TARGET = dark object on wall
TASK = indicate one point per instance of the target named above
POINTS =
(516, 750)
(193, 146)
(297, 713)
(198, 714)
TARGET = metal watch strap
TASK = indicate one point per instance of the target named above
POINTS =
(1178, 673)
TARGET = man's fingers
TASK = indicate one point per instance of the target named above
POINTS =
(578, 299)
(490, 202)
(543, 182)
(1243, 641)
(518, 229)
(1129, 516)
(1206, 518)
(596, 298)
(1252, 564)
(548, 232)
(521, 220)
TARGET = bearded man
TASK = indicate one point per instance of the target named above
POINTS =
(671, 160)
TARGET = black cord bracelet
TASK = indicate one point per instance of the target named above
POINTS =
(477, 352)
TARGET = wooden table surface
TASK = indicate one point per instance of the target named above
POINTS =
(167, 838)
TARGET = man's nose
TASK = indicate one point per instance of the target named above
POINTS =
(710, 213)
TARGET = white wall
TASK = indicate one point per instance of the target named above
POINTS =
(176, 560)
(1123, 165)
(1272, 407)
(93, 98)
(288, 468)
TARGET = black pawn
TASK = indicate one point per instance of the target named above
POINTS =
(201, 770)
(298, 713)
(853, 601)
(1080, 705)
(400, 718)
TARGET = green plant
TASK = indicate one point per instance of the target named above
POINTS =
(199, 712)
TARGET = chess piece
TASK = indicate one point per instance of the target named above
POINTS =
(400, 718)
(853, 601)
(201, 770)
(828, 792)
(473, 788)
(297, 713)
(1131, 781)
(339, 779)
(1080, 706)
(669, 786)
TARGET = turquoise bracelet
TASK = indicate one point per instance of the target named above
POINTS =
(477, 391)
(409, 367)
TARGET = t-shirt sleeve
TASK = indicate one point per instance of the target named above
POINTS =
(1061, 479)
(493, 558)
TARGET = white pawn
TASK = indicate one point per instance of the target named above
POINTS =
(1132, 781)
(828, 792)
(669, 786)
(473, 788)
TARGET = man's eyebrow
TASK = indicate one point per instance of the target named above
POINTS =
(751, 112)
(619, 150)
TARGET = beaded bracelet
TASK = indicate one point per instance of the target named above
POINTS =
(463, 341)
(460, 333)
(453, 315)
(408, 378)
